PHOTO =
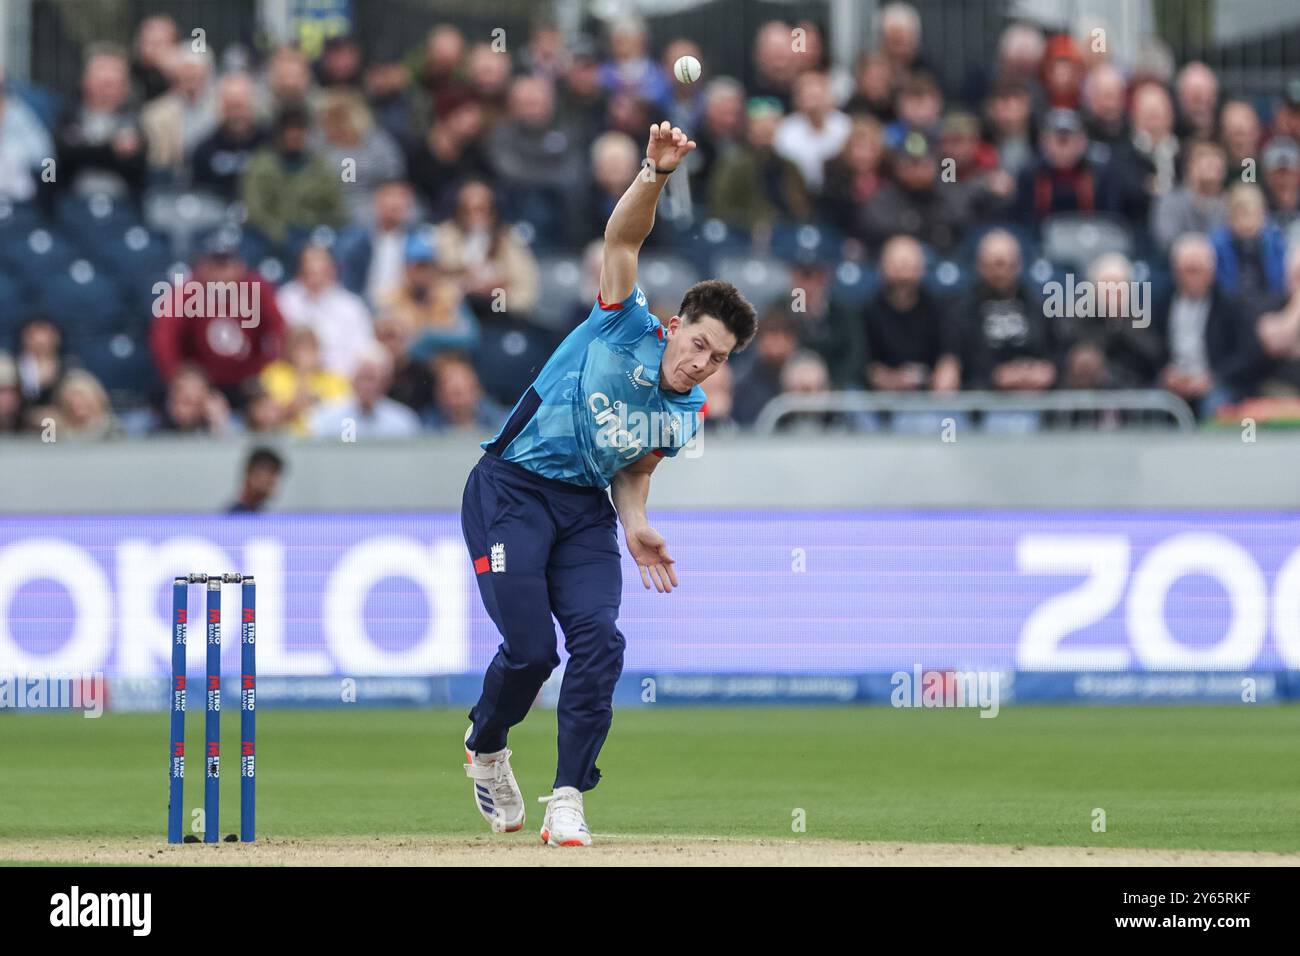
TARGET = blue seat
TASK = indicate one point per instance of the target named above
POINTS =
(665, 277)
(763, 280)
(123, 363)
(560, 288)
(509, 355)
(854, 282)
(80, 297)
(135, 258)
(91, 222)
(36, 254)
(19, 217)
(709, 240)
(13, 309)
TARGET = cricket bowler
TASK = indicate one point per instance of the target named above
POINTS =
(619, 394)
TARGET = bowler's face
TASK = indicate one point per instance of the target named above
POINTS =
(694, 351)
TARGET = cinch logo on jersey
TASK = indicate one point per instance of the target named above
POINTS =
(635, 431)
(612, 434)
(73, 909)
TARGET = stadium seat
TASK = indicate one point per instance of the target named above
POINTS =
(762, 279)
(1074, 241)
(135, 257)
(13, 309)
(80, 297)
(182, 215)
(792, 241)
(121, 361)
(709, 240)
(854, 282)
(16, 217)
(91, 222)
(666, 277)
(510, 353)
(948, 277)
(560, 286)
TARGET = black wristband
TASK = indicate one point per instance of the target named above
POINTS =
(651, 163)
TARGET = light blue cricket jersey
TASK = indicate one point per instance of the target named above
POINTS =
(596, 406)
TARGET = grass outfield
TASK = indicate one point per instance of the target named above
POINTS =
(1210, 778)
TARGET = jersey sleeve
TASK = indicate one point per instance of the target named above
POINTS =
(623, 322)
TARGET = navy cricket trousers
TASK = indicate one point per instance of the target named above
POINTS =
(543, 547)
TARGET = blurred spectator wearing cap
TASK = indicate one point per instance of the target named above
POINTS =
(758, 381)
(451, 152)
(430, 300)
(1278, 335)
(155, 41)
(41, 365)
(298, 383)
(754, 185)
(1111, 350)
(1281, 166)
(541, 162)
(25, 144)
(368, 413)
(630, 69)
(100, 144)
(288, 187)
(372, 257)
(1144, 166)
(192, 405)
(11, 398)
(1250, 251)
(815, 131)
(1064, 180)
(1063, 72)
(1008, 117)
(1196, 93)
(722, 126)
(495, 269)
(914, 202)
(227, 347)
(347, 134)
(1199, 204)
(339, 318)
(219, 160)
(773, 63)
(1286, 117)
(580, 94)
(1105, 110)
(458, 400)
(81, 408)
(261, 479)
(687, 99)
(1008, 344)
(911, 342)
(1242, 135)
(175, 123)
(1211, 358)
(853, 177)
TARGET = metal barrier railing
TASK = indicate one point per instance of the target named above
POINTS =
(1122, 402)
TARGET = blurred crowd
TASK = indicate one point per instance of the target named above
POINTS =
(895, 235)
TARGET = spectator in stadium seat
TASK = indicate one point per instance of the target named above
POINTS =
(263, 469)
(545, 55)
(873, 89)
(1008, 115)
(1063, 72)
(1250, 251)
(720, 402)
(489, 72)
(1064, 180)
(339, 318)
(914, 202)
(628, 114)
(1144, 166)
(1196, 92)
(228, 347)
(911, 342)
(155, 41)
(11, 399)
(299, 384)
(1019, 65)
(753, 186)
(81, 408)
(100, 145)
(815, 131)
(412, 379)
(496, 271)
(541, 163)
(805, 373)
(1281, 167)
(615, 162)
(261, 413)
(340, 64)
(458, 400)
(348, 141)
(722, 126)
(824, 326)
(1105, 111)
(371, 257)
(1286, 115)
(687, 110)
(631, 70)
(853, 177)
(1278, 334)
(449, 154)
(1242, 135)
(1008, 343)
(25, 144)
(1199, 204)
(287, 81)
(919, 106)
(759, 380)
(219, 161)
(368, 413)
(1210, 346)
(580, 94)
(39, 357)
(286, 186)
(437, 69)
(899, 29)
(431, 301)
(387, 88)
(773, 63)
(175, 123)
(192, 405)
(1110, 351)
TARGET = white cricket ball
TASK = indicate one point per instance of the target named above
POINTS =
(687, 69)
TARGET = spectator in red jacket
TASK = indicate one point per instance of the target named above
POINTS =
(224, 320)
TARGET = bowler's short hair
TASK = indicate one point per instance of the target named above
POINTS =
(723, 301)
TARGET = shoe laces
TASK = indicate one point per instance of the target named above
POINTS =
(565, 809)
(499, 781)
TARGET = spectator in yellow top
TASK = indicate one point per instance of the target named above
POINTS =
(298, 383)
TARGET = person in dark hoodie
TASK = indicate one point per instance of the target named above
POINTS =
(915, 202)
(1064, 180)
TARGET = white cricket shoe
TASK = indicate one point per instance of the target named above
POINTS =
(564, 824)
(496, 794)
